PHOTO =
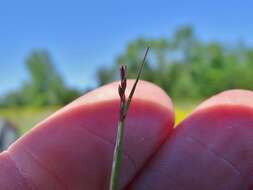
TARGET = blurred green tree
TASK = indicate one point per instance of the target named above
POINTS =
(45, 87)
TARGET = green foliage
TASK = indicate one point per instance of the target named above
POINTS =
(45, 87)
(186, 67)
(26, 118)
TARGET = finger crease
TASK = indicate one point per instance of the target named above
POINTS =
(125, 154)
(229, 163)
(40, 163)
(29, 184)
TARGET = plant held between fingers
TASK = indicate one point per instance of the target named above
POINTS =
(124, 106)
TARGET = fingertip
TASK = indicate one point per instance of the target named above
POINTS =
(145, 91)
(234, 97)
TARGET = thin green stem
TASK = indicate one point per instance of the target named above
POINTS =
(118, 151)
(117, 157)
(137, 80)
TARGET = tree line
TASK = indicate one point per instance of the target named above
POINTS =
(182, 64)
(187, 67)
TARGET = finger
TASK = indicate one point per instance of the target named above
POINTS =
(211, 149)
(73, 148)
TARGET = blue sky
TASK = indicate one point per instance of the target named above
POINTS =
(85, 35)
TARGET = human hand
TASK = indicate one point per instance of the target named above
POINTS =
(212, 149)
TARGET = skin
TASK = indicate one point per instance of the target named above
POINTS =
(73, 148)
(212, 149)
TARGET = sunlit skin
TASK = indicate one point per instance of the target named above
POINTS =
(212, 149)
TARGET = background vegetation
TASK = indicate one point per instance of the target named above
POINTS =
(187, 68)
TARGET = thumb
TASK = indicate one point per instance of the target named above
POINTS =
(73, 148)
(211, 149)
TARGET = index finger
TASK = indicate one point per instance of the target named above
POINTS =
(73, 148)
